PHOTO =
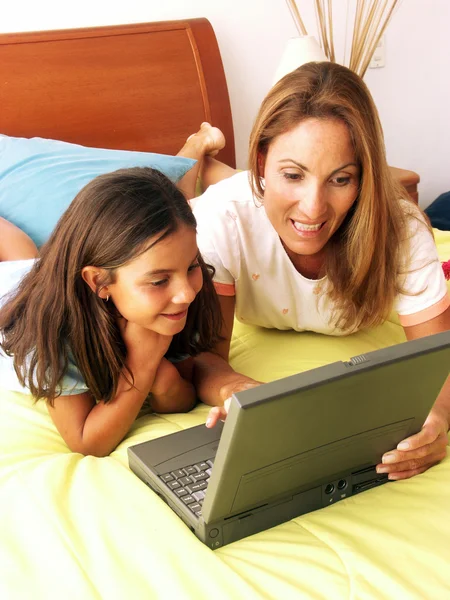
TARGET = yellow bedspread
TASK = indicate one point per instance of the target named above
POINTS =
(83, 528)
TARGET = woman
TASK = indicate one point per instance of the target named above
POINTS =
(317, 237)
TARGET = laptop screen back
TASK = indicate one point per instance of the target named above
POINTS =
(295, 433)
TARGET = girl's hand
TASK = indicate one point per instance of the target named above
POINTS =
(419, 452)
(219, 413)
(144, 346)
(166, 375)
(170, 392)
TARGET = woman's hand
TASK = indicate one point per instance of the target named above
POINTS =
(219, 413)
(419, 452)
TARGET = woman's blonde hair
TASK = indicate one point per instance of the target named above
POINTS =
(365, 255)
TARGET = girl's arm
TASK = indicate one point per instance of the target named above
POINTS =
(214, 379)
(426, 448)
(14, 243)
(96, 429)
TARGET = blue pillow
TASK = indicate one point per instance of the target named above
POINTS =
(39, 178)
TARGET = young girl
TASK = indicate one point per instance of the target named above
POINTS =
(111, 312)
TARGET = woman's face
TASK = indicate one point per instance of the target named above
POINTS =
(311, 181)
(155, 289)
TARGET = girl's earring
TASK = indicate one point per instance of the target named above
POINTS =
(107, 298)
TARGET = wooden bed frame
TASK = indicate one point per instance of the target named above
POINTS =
(145, 87)
(134, 87)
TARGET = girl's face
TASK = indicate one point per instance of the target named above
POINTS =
(155, 289)
(311, 181)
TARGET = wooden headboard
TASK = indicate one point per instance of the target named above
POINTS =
(134, 87)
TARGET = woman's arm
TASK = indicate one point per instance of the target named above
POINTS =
(426, 448)
(14, 243)
(214, 379)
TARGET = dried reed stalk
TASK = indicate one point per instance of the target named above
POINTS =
(375, 40)
(296, 16)
(371, 20)
(330, 29)
(324, 15)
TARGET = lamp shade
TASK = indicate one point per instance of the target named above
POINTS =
(298, 51)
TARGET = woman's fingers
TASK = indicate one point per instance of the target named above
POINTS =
(400, 465)
(405, 473)
(418, 452)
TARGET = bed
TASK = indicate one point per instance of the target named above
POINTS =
(77, 527)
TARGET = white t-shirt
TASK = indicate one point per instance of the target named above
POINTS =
(237, 238)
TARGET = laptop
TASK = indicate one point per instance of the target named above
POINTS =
(297, 444)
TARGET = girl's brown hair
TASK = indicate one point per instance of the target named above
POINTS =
(363, 256)
(54, 313)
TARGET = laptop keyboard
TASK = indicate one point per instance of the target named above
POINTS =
(190, 484)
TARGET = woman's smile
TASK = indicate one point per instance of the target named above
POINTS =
(307, 230)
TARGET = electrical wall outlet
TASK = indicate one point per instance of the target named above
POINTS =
(379, 56)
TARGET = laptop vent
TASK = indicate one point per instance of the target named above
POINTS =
(358, 360)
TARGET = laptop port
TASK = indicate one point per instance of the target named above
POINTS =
(371, 469)
(367, 485)
(329, 489)
(342, 484)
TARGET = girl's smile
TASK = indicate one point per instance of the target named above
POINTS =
(175, 316)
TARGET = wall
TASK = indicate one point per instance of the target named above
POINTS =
(412, 91)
